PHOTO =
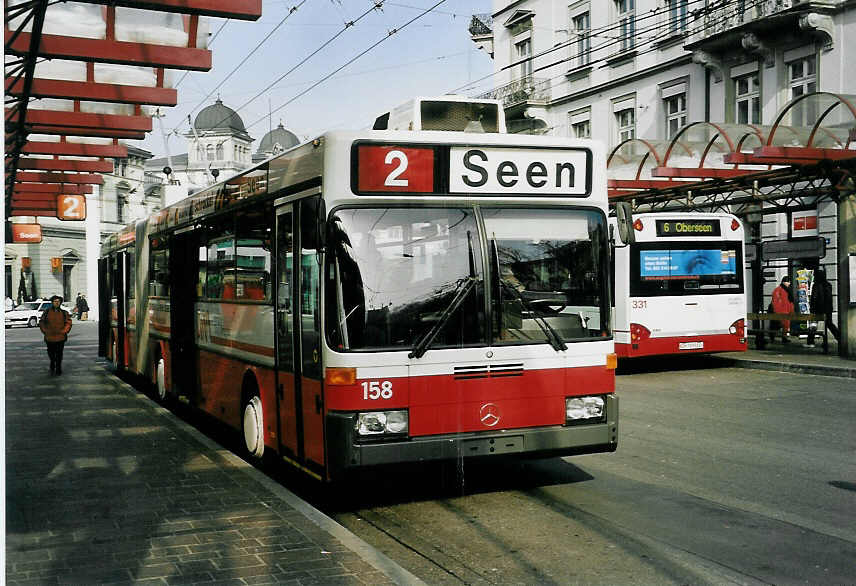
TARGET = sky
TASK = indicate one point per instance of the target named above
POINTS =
(432, 55)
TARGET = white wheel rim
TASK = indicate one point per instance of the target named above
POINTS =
(253, 428)
(161, 379)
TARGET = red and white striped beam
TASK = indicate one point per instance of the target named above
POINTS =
(111, 51)
(235, 9)
(65, 165)
(65, 178)
(76, 148)
(95, 92)
(72, 120)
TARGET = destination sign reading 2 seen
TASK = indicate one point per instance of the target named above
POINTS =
(688, 228)
(519, 171)
(472, 170)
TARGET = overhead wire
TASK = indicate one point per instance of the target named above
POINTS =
(353, 59)
(654, 47)
(288, 15)
(593, 33)
(210, 42)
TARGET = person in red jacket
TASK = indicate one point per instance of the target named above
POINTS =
(55, 325)
(783, 302)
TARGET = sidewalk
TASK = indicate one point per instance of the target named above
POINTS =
(104, 486)
(792, 357)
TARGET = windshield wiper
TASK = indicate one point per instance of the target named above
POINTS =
(553, 336)
(424, 342)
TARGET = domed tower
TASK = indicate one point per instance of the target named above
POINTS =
(274, 142)
(218, 141)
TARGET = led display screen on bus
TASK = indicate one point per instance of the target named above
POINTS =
(686, 264)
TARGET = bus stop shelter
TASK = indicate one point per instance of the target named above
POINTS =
(807, 157)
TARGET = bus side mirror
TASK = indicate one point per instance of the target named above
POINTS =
(624, 220)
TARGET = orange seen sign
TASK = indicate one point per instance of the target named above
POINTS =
(27, 233)
(71, 207)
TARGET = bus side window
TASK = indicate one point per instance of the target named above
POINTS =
(220, 261)
(253, 256)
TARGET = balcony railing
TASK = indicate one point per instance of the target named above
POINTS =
(527, 89)
(481, 24)
(723, 16)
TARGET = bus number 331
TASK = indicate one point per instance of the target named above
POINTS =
(377, 389)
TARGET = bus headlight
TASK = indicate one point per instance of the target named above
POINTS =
(579, 409)
(372, 423)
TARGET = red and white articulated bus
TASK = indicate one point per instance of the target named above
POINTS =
(679, 288)
(381, 297)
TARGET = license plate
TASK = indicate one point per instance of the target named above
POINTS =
(691, 346)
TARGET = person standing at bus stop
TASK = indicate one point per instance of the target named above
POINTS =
(55, 325)
(783, 302)
(82, 308)
(821, 303)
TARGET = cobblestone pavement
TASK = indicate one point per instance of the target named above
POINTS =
(104, 486)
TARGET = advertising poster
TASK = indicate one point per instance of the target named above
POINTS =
(686, 264)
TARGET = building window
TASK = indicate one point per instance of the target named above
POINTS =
(676, 11)
(625, 124)
(219, 151)
(803, 80)
(582, 129)
(676, 113)
(747, 99)
(626, 18)
(523, 54)
(581, 25)
(121, 198)
(579, 123)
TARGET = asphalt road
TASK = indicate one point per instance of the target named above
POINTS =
(722, 476)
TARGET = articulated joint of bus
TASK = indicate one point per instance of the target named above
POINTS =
(363, 439)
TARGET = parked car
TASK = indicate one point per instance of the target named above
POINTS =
(30, 312)
(27, 314)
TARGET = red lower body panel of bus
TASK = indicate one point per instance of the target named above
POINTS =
(682, 345)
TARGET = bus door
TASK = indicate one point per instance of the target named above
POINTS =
(184, 269)
(298, 336)
(104, 294)
(118, 279)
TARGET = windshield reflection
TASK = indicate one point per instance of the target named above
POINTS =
(412, 278)
(395, 271)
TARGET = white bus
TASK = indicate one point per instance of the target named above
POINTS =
(679, 288)
(381, 297)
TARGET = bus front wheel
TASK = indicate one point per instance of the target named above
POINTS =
(253, 424)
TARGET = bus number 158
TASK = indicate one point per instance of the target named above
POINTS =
(377, 389)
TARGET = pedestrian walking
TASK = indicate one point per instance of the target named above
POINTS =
(821, 303)
(783, 302)
(76, 310)
(55, 325)
(82, 309)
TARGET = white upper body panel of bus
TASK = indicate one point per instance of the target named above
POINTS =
(684, 225)
(406, 166)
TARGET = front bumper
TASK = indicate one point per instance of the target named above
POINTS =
(345, 453)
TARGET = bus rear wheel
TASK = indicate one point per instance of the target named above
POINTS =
(253, 424)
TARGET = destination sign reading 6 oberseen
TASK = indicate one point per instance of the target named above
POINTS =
(519, 171)
(688, 228)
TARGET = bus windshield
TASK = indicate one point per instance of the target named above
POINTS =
(393, 273)
(685, 268)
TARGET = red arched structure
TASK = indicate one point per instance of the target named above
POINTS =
(809, 129)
